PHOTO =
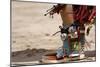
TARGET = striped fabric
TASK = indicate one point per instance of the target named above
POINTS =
(84, 13)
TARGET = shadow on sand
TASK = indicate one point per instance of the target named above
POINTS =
(36, 55)
(29, 55)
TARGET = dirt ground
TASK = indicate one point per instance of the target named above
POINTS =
(32, 31)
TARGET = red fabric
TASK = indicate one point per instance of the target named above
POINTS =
(92, 14)
(83, 13)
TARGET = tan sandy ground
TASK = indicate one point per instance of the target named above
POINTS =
(30, 28)
(32, 31)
